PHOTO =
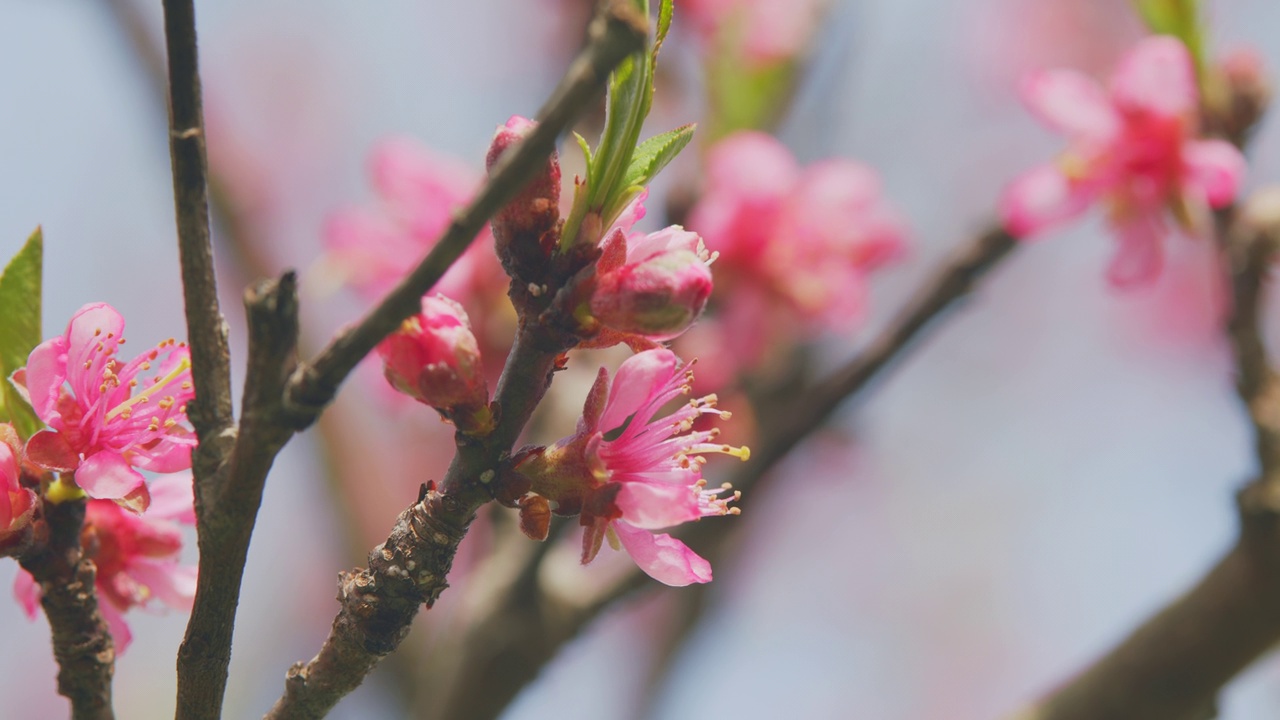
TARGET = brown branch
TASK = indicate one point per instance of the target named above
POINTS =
(227, 521)
(210, 411)
(615, 34)
(495, 668)
(1175, 664)
(81, 640)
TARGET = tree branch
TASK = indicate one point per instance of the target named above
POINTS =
(81, 640)
(1175, 664)
(210, 411)
(615, 34)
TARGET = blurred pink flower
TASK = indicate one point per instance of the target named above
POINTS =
(795, 245)
(646, 476)
(100, 429)
(136, 556)
(434, 358)
(766, 30)
(1133, 148)
(371, 248)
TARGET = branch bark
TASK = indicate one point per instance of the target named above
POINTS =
(81, 640)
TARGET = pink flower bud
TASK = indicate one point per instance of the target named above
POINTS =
(17, 504)
(524, 230)
(660, 290)
(434, 358)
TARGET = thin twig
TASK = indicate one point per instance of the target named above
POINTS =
(81, 640)
(614, 35)
(227, 523)
(210, 411)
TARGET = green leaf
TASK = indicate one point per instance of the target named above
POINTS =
(655, 153)
(664, 24)
(1179, 18)
(20, 327)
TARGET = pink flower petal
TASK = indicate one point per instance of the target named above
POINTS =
(121, 636)
(173, 584)
(1156, 77)
(637, 379)
(1071, 103)
(173, 498)
(108, 476)
(1039, 199)
(753, 166)
(50, 450)
(27, 592)
(1216, 167)
(46, 372)
(652, 507)
(1140, 256)
(662, 557)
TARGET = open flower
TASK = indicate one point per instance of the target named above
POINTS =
(1132, 147)
(628, 472)
(795, 245)
(108, 418)
(136, 556)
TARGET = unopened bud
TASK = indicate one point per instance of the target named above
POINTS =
(524, 230)
(660, 290)
(434, 358)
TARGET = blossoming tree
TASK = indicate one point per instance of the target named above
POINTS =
(481, 285)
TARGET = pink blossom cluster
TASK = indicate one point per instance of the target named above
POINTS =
(136, 556)
(1133, 149)
(795, 245)
(107, 417)
(627, 471)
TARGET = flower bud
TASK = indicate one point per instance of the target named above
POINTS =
(17, 503)
(524, 231)
(434, 358)
(660, 290)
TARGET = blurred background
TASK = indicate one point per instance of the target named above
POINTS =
(1046, 470)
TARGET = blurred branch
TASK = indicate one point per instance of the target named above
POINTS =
(81, 639)
(1175, 664)
(534, 625)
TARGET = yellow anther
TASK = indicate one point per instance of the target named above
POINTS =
(145, 395)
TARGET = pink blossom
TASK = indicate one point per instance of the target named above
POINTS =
(136, 556)
(653, 286)
(108, 418)
(627, 472)
(795, 245)
(1132, 147)
(17, 503)
(767, 31)
(372, 248)
(434, 358)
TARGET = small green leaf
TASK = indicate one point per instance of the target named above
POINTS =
(664, 24)
(655, 153)
(20, 327)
